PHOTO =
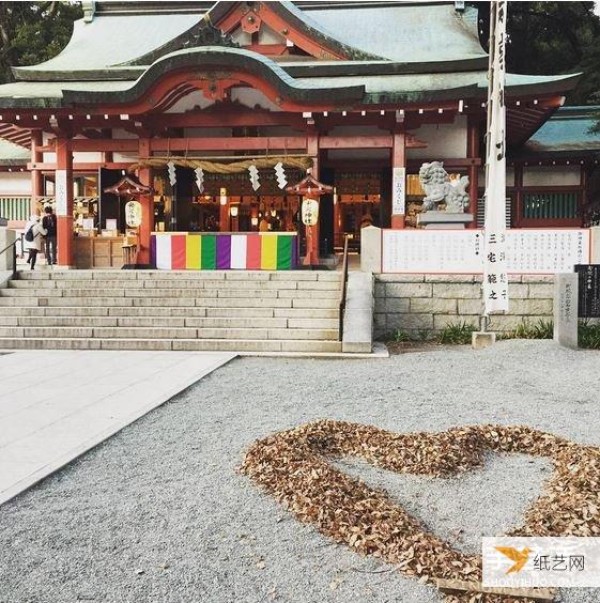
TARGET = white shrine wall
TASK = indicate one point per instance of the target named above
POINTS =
(444, 141)
(535, 176)
(15, 184)
(556, 175)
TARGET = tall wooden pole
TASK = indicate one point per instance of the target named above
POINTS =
(147, 201)
(63, 184)
(398, 178)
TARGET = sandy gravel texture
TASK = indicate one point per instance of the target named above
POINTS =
(158, 514)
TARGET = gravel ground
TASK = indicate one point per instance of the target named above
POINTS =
(158, 514)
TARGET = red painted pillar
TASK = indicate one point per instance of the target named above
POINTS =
(398, 172)
(147, 201)
(473, 153)
(63, 189)
(313, 233)
(37, 179)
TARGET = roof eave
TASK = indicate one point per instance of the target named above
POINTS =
(90, 75)
(360, 68)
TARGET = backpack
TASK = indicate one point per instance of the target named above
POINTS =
(29, 235)
(49, 223)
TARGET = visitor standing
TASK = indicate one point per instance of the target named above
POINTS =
(34, 233)
(49, 224)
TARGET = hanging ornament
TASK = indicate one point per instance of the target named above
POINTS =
(253, 170)
(172, 173)
(199, 179)
(281, 178)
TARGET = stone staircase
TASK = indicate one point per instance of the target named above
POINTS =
(159, 310)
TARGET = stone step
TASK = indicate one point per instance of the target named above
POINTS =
(179, 293)
(208, 302)
(169, 322)
(166, 333)
(130, 275)
(206, 345)
(184, 284)
(166, 312)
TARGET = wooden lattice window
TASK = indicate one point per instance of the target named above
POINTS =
(550, 206)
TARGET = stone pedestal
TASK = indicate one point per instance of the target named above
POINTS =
(566, 293)
(370, 249)
(7, 237)
(442, 220)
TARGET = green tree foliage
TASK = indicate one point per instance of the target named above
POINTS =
(552, 38)
(33, 32)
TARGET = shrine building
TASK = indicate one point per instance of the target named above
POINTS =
(362, 93)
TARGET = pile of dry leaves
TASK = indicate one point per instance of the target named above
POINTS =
(293, 466)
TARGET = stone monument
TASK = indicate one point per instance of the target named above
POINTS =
(440, 189)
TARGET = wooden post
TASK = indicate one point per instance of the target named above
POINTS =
(398, 161)
(337, 220)
(63, 188)
(517, 215)
(313, 233)
(37, 178)
(223, 215)
(466, 586)
(147, 201)
(473, 153)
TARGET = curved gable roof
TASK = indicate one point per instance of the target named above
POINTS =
(112, 40)
(103, 44)
(406, 33)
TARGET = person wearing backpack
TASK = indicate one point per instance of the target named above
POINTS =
(49, 223)
(34, 234)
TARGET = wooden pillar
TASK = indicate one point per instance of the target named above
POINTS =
(337, 220)
(473, 153)
(37, 178)
(398, 211)
(147, 201)
(63, 189)
(313, 233)
(517, 216)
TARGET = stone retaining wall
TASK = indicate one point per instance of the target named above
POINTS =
(422, 305)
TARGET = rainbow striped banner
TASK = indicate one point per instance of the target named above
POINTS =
(224, 251)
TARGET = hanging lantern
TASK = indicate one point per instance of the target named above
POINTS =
(133, 214)
(310, 212)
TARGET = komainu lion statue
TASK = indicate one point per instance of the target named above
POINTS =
(439, 188)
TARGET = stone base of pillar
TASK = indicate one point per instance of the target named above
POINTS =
(441, 220)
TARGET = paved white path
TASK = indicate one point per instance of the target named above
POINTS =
(56, 405)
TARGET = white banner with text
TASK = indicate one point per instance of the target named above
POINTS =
(528, 251)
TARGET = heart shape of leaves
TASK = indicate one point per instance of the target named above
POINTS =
(293, 466)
